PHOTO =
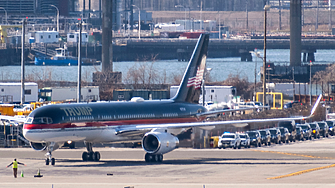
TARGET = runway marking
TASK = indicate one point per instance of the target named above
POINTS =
(294, 154)
(301, 172)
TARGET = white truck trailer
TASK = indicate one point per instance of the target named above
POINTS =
(214, 94)
(88, 93)
(11, 92)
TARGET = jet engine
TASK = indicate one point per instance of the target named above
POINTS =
(38, 146)
(159, 142)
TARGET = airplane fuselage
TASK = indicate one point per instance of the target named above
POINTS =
(99, 122)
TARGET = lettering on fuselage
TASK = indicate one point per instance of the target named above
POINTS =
(77, 111)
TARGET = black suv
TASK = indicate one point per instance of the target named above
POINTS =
(284, 134)
(306, 128)
(290, 125)
(275, 135)
(300, 133)
(323, 128)
(291, 104)
(255, 138)
(315, 130)
(331, 127)
(265, 137)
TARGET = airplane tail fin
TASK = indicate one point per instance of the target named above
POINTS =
(190, 86)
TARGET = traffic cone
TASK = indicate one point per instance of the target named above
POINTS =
(22, 173)
(38, 175)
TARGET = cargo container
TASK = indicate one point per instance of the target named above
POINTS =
(73, 37)
(46, 37)
(11, 92)
(128, 94)
(214, 94)
(88, 93)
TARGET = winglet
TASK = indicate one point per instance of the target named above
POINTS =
(316, 105)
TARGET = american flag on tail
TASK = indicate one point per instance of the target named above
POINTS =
(196, 80)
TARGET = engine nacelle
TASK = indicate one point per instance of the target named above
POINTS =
(38, 146)
(159, 142)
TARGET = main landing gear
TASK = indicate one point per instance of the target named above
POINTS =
(90, 155)
(49, 155)
(153, 157)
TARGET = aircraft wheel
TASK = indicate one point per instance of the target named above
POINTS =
(52, 161)
(91, 156)
(47, 161)
(96, 156)
(155, 158)
(148, 157)
(85, 156)
(160, 157)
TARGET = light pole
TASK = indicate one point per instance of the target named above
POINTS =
(57, 16)
(310, 83)
(259, 56)
(5, 13)
(219, 25)
(266, 8)
(181, 6)
(139, 21)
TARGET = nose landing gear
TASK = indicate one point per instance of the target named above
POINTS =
(49, 155)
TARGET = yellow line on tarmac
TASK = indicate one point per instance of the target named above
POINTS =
(294, 154)
(301, 172)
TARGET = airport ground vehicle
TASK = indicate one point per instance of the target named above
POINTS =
(245, 140)
(265, 137)
(331, 127)
(229, 140)
(315, 130)
(307, 131)
(300, 133)
(255, 138)
(275, 135)
(284, 134)
(323, 128)
(290, 125)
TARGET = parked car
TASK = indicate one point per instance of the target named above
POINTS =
(229, 140)
(284, 135)
(265, 137)
(315, 130)
(307, 130)
(331, 127)
(275, 135)
(290, 125)
(245, 140)
(323, 128)
(300, 133)
(253, 104)
(292, 104)
(255, 138)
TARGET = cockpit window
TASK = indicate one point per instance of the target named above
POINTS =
(29, 120)
(42, 120)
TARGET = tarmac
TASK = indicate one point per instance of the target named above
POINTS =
(301, 164)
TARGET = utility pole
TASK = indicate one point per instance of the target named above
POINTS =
(79, 62)
(266, 8)
(107, 47)
(24, 22)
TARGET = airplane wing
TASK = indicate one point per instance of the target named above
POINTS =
(227, 110)
(14, 119)
(245, 122)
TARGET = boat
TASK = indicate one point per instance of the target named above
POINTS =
(61, 59)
